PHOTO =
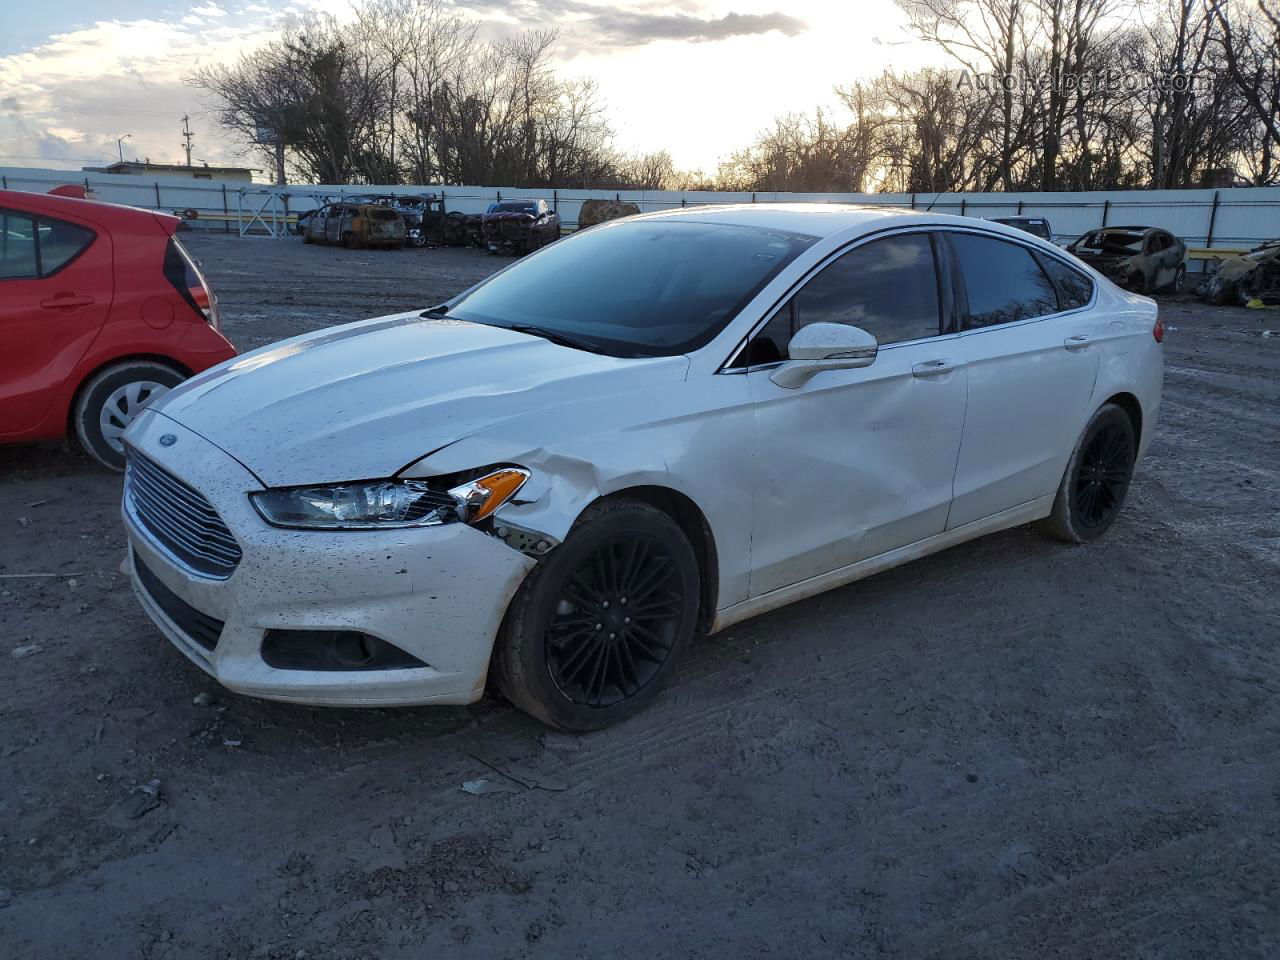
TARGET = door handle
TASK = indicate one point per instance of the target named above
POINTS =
(934, 368)
(66, 301)
(1078, 342)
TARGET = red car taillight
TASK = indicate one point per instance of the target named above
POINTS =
(1158, 330)
(181, 271)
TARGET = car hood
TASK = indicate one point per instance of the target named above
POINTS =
(365, 400)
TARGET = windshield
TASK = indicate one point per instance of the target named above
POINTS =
(1112, 240)
(514, 206)
(644, 288)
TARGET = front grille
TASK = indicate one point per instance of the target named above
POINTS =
(179, 518)
(203, 629)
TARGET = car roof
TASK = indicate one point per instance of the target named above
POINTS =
(107, 214)
(824, 219)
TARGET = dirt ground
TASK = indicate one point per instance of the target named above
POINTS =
(1012, 749)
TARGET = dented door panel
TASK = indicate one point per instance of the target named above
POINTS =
(855, 462)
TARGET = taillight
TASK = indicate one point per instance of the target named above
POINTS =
(185, 277)
(1158, 330)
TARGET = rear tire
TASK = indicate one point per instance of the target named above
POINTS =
(597, 629)
(110, 401)
(1096, 480)
(1179, 278)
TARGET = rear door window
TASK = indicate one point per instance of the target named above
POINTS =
(17, 246)
(1003, 281)
(60, 243)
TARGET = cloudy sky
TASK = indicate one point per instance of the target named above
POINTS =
(695, 77)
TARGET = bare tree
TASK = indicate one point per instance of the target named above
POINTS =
(985, 37)
(1251, 48)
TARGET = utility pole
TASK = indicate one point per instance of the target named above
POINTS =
(186, 136)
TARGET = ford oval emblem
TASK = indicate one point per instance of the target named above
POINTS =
(167, 439)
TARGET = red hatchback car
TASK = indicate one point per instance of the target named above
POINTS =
(101, 309)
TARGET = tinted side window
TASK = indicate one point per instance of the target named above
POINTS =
(887, 287)
(1074, 288)
(17, 246)
(1003, 281)
(60, 243)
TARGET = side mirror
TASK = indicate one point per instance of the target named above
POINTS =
(825, 346)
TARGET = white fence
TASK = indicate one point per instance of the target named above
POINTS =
(1239, 217)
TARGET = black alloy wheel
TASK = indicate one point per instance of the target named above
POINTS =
(616, 621)
(1096, 481)
(599, 625)
(1102, 475)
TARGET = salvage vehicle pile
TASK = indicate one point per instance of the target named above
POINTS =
(509, 227)
(1252, 278)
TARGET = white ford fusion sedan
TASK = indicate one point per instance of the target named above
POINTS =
(661, 425)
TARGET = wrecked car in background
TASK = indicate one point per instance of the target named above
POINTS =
(516, 227)
(421, 214)
(463, 229)
(1253, 276)
(350, 224)
(1141, 259)
(598, 211)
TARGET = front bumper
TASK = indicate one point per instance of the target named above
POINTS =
(438, 593)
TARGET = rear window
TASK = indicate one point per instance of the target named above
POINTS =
(1112, 241)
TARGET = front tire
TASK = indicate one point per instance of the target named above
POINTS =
(598, 628)
(110, 401)
(1097, 478)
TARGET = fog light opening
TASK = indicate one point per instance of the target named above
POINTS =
(333, 650)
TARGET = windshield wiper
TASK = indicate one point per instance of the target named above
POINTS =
(554, 336)
(439, 310)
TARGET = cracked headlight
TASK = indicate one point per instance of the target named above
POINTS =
(369, 505)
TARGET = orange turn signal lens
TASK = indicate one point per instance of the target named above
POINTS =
(479, 498)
